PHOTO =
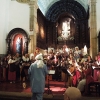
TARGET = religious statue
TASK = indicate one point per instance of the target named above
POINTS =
(65, 29)
(18, 45)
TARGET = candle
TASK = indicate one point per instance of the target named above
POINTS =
(85, 50)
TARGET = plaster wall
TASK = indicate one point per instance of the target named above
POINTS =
(12, 15)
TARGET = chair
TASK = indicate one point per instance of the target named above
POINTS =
(94, 87)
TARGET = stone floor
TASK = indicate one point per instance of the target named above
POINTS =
(15, 91)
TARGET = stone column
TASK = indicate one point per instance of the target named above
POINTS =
(33, 25)
(93, 29)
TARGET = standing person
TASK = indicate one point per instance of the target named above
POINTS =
(17, 64)
(77, 54)
(4, 66)
(24, 69)
(37, 51)
(12, 69)
(37, 73)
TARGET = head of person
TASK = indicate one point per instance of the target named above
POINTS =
(72, 93)
(39, 57)
(37, 51)
(76, 48)
(39, 60)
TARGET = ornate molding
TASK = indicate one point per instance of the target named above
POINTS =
(33, 3)
(63, 6)
(33, 13)
(11, 37)
(26, 1)
(23, 1)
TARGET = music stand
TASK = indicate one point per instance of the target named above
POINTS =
(51, 72)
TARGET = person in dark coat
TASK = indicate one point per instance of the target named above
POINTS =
(12, 69)
(37, 73)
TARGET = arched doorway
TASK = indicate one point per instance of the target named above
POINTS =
(17, 41)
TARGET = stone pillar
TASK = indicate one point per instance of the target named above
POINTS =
(33, 25)
(93, 29)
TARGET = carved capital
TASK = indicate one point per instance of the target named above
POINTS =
(93, 1)
(33, 3)
(23, 1)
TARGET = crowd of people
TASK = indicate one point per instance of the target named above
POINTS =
(14, 68)
(78, 67)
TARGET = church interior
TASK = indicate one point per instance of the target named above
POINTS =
(62, 30)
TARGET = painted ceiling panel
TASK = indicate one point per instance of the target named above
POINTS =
(44, 5)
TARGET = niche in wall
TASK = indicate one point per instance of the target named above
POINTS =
(17, 41)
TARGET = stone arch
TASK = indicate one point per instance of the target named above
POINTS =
(12, 39)
(80, 17)
(70, 6)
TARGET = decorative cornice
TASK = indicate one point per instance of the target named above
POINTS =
(30, 2)
(23, 1)
(33, 3)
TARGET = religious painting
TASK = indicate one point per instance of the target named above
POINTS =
(17, 41)
(18, 45)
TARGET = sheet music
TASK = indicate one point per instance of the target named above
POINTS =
(95, 67)
(51, 72)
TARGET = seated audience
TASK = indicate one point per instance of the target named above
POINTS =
(72, 93)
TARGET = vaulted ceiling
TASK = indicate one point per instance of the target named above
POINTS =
(54, 8)
(44, 5)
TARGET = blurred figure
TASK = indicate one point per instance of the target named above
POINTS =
(77, 54)
(37, 73)
(24, 69)
(72, 93)
(88, 78)
(17, 64)
(37, 51)
(12, 69)
(4, 66)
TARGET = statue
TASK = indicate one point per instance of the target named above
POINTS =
(18, 45)
(65, 29)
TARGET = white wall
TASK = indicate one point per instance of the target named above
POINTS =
(3, 28)
(12, 15)
(19, 15)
